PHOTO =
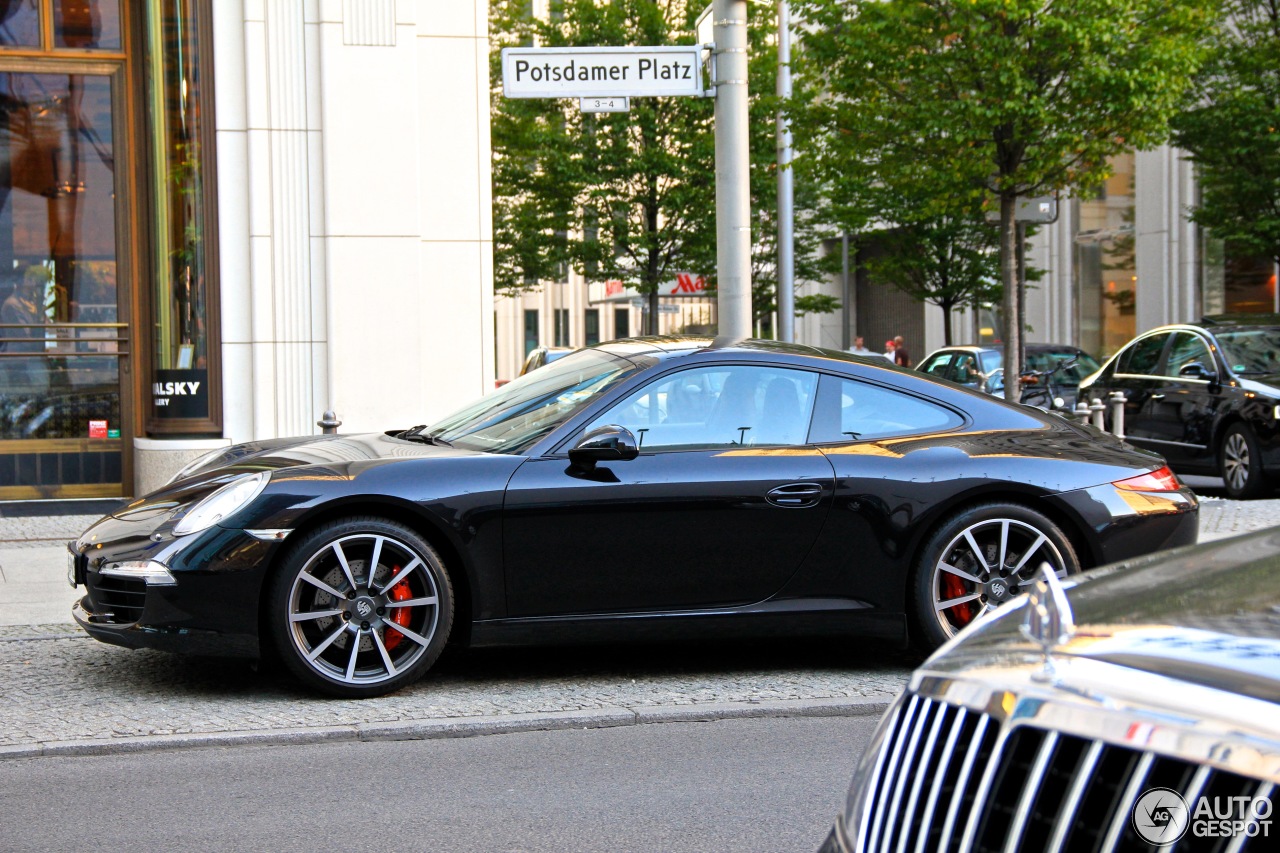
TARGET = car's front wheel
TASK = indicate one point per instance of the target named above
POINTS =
(980, 558)
(360, 607)
(1241, 463)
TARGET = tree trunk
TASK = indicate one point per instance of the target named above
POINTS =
(1012, 296)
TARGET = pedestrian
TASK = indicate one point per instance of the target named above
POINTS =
(888, 349)
(859, 347)
(901, 357)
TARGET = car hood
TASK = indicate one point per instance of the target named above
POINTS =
(278, 455)
(1207, 616)
(1268, 385)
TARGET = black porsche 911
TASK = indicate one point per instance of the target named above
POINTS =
(657, 488)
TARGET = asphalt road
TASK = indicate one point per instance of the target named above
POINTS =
(771, 785)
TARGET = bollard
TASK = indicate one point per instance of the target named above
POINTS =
(1117, 414)
(1081, 412)
(329, 423)
(1095, 410)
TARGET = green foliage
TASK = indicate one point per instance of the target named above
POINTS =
(1232, 128)
(627, 196)
(915, 110)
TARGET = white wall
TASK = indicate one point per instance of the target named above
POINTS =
(354, 211)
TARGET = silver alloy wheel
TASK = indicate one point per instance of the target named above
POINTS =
(1235, 461)
(985, 565)
(364, 608)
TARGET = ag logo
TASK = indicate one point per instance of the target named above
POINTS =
(1161, 816)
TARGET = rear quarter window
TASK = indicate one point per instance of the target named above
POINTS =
(850, 410)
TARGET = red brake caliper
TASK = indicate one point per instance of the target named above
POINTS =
(399, 615)
(953, 587)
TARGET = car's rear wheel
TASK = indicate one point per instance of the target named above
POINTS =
(980, 558)
(1241, 462)
(360, 607)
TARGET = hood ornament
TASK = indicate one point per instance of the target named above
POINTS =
(1049, 622)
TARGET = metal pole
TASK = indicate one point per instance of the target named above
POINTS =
(847, 291)
(733, 190)
(786, 189)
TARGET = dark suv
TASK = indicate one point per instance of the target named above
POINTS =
(1206, 396)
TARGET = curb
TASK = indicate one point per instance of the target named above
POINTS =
(432, 729)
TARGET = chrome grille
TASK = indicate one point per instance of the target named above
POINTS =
(951, 779)
(116, 600)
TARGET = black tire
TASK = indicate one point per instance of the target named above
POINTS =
(360, 643)
(974, 581)
(1240, 461)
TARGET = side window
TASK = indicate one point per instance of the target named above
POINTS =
(723, 406)
(1187, 348)
(1142, 358)
(939, 366)
(849, 410)
(966, 370)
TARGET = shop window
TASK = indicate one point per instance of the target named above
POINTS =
(591, 326)
(183, 352)
(61, 25)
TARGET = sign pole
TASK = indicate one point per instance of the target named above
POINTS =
(733, 188)
(786, 187)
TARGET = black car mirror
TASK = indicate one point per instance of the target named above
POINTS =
(1196, 370)
(609, 443)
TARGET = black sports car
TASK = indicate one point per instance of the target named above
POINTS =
(1205, 396)
(656, 488)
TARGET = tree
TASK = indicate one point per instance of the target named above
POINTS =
(962, 101)
(1232, 128)
(627, 196)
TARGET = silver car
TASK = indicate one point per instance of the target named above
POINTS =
(1137, 710)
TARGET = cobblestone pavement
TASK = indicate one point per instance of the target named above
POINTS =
(67, 694)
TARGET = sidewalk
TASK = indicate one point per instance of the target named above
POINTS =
(66, 694)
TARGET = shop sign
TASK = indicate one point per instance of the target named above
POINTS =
(684, 284)
(181, 393)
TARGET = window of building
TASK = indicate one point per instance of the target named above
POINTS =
(530, 330)
(561, 316)
(1105, 261)
(1234, 280)
(621, 323)
(591, 326)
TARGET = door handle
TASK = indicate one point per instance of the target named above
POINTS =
(795, 495)
(1157, 396)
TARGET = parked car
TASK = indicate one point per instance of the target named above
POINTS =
(542, 356)
(1206, 396)
(1137, 709)
(982, 368)
(661, 487)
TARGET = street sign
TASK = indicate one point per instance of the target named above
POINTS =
(602, 72)
(604, 105)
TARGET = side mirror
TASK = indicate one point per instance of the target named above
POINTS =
(609, 443)
(1196, 370)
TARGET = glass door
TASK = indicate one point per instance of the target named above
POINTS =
(64, 334)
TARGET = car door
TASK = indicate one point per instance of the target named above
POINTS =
(720, 507)
(1137, 377)
(1179, 413)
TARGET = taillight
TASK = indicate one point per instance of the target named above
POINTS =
(1162, 480)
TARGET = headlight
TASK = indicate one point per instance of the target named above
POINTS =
(196, 464)
(231, 498)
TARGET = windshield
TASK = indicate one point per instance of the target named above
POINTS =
(1255, 351)
(523, 411)
(1043, 360)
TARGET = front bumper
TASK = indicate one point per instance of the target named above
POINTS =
(209, 608)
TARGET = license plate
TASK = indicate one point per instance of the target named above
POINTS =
(71, 567)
